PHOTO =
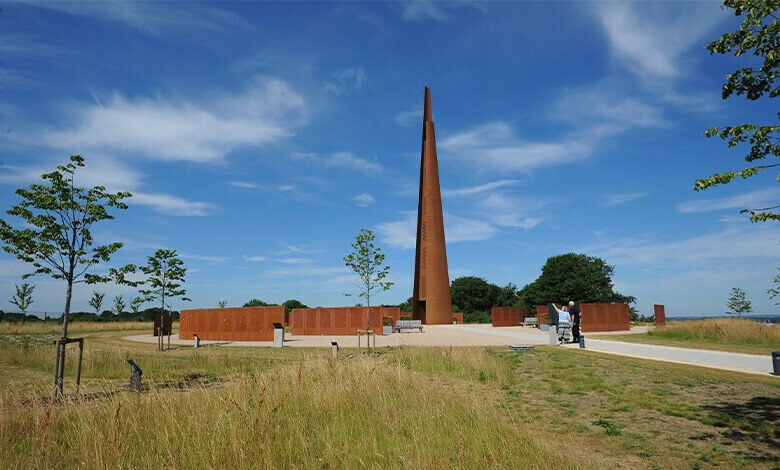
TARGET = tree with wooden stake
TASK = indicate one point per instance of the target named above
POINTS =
(165, 273)
(56, 236)
(366, 261)
(23, 297)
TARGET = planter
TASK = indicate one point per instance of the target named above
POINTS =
(387, 330)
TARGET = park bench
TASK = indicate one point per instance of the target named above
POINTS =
(530, 321)
(521, 347)
(407, 325)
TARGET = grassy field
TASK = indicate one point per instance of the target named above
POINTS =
(721, 334)
(403, 407)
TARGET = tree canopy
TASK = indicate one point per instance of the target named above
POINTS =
(757, 36)
(738, 303)
(166, 272)
(476, 297)
(576, 277)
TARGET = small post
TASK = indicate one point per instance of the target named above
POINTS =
(197, 340)
(335, 349)
(553, 335)
(78, 367)
(135, 376)
(278, 335)
(582, 342)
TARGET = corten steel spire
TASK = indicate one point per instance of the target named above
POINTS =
(431, 300)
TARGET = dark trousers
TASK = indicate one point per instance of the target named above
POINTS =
(575, 332)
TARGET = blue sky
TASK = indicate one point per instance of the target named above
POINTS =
(258, 138)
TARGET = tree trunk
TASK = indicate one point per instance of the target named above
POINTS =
(59, 358)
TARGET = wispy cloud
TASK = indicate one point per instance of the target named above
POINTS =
(410, 116)
(254, 259)
(650, 38)
(207, 259)
(403, 233)
(420, 10)
(619, 199)
(171, 205)
(115, 176)
(496, 146)
(160, 129)
(364, 199)
(751, 200)
(343, 82)
(243, 184)
(342, 160)
(187, 21)
(492, 186)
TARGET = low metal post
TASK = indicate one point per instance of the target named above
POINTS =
(553, 335)
(335, 349)
(197, 340)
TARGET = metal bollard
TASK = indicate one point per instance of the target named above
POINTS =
(582, 342)
(335, 349)
(197, 340)
(776, 362)
(135, 376)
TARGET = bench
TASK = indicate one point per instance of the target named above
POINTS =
(530, 321)
(521, 347)
(408, 325)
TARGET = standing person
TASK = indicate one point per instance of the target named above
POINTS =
(574, 313)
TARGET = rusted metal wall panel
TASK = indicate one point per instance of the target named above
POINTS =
(659, 311)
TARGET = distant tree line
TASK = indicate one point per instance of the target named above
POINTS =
(104, 316)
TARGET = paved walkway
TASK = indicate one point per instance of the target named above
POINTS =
(748, 363)
(486, 335)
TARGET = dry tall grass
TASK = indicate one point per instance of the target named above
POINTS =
(721, 330)
(315, 413)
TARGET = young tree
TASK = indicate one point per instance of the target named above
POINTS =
(135, 304)
(366, 261)
(165, 273)
(738, 303)
(96, 301)
(23, 297)
(119, 304)
(56, 236)
(758, 35)
(222, 303)
(775, 291)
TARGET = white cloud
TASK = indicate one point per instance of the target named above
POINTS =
(622, 198)
(255, 259)
(243, 184)
(410, 116)
(344, 81)
(166, 20)
(403, 233)
(650, 37)
(419, 10)
(751, 200)
(171, 205)
(343, 160)
(159, 129)
(208, 259)
(364, 199)
(495, 146)
(740, 244)
(602, 107)
(492, 186)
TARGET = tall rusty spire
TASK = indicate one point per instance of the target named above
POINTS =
(431, 300)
